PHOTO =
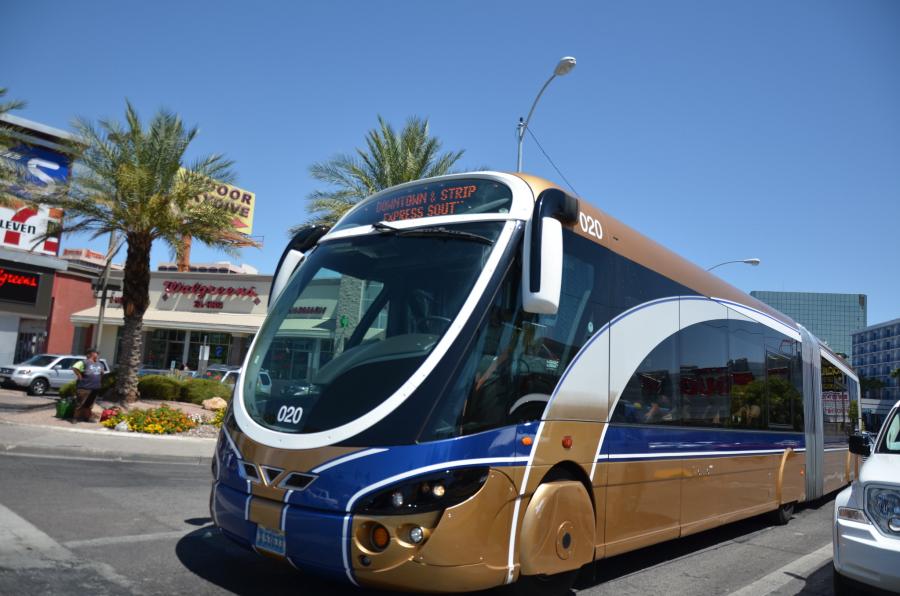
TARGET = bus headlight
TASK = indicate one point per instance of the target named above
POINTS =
(426, 493)
(883, 506)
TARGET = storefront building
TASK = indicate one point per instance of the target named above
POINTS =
(26, 286)
(187, 310)
(38, 290)
(224, 311)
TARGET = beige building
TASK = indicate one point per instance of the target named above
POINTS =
(223, 309)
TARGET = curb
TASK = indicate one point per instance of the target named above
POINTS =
(102, 455)
(106, 454)
(10, 408)
(112, 433)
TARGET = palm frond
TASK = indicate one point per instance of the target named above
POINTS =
(388, 158)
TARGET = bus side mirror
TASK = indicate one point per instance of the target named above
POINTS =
(543, 251)
(859, 444)
(293, 254)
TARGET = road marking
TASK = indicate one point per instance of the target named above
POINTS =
(24, 546)
(107, 540)
(800, 569)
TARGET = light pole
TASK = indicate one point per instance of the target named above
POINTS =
(753, 262)
(564, 67)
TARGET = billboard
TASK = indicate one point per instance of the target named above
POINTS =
(21, 224)
(237, 202)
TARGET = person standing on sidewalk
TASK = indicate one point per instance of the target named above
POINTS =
(90, 377)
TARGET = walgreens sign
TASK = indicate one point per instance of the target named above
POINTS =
(201, 291)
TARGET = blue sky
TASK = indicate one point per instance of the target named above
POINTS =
(723, 130)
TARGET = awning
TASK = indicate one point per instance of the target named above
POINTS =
(174, 319)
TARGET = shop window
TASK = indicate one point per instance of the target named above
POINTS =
(163, 348)
(219, 348)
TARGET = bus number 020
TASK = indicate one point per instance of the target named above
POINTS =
(590, 226)
(290, 414)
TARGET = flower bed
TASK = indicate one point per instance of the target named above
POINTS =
(157, 421)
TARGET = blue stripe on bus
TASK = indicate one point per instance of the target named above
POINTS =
(313, 541)
(651, 442)
(229, 505)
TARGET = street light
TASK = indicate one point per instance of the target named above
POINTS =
(564, 67)
(753, 262)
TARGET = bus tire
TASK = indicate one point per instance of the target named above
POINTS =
(784, 513)
(558, 584)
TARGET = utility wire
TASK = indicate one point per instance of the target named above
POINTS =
(558, 171)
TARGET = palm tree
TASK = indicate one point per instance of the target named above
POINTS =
(389, 158)
(8, 106)
(9, 174)
(133, 181)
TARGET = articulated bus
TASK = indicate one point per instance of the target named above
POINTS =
(480, 379)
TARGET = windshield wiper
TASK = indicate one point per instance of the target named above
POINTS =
(432, 232)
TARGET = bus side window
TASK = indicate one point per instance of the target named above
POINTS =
(651, 395)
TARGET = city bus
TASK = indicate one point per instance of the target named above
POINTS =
(480, 379)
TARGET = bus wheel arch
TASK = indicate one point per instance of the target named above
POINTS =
(569, 470)
(558, 531)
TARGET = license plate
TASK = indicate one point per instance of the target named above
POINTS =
(270, 540)
(4, 379)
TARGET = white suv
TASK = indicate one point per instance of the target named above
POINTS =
(867, 514)
(43, 372)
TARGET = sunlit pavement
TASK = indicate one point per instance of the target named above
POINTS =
(75, 526)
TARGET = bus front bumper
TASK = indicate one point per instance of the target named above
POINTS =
(465, 547)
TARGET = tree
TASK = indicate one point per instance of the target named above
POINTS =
(6, 107)
(9, 174)
(133, 181)
(388, 159)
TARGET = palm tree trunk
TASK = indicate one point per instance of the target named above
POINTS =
(135, 299)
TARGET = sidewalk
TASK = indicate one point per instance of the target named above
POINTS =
(36, 431)
(107, 445)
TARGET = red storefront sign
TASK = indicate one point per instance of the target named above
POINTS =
(19, 286)
(201, 291)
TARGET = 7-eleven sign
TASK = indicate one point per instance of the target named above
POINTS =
(21, 226)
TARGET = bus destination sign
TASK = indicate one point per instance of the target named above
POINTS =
(448, 197)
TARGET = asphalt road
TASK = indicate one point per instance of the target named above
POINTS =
(73, 526)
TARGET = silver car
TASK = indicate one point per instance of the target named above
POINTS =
(42, 372)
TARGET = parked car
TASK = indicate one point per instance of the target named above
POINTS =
(230, 375)
(867, 514)
(42, 372)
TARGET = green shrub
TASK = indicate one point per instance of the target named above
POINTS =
(68, 390)
(159, 387)
(196, 390)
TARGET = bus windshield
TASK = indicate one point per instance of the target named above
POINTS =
(358, 317)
